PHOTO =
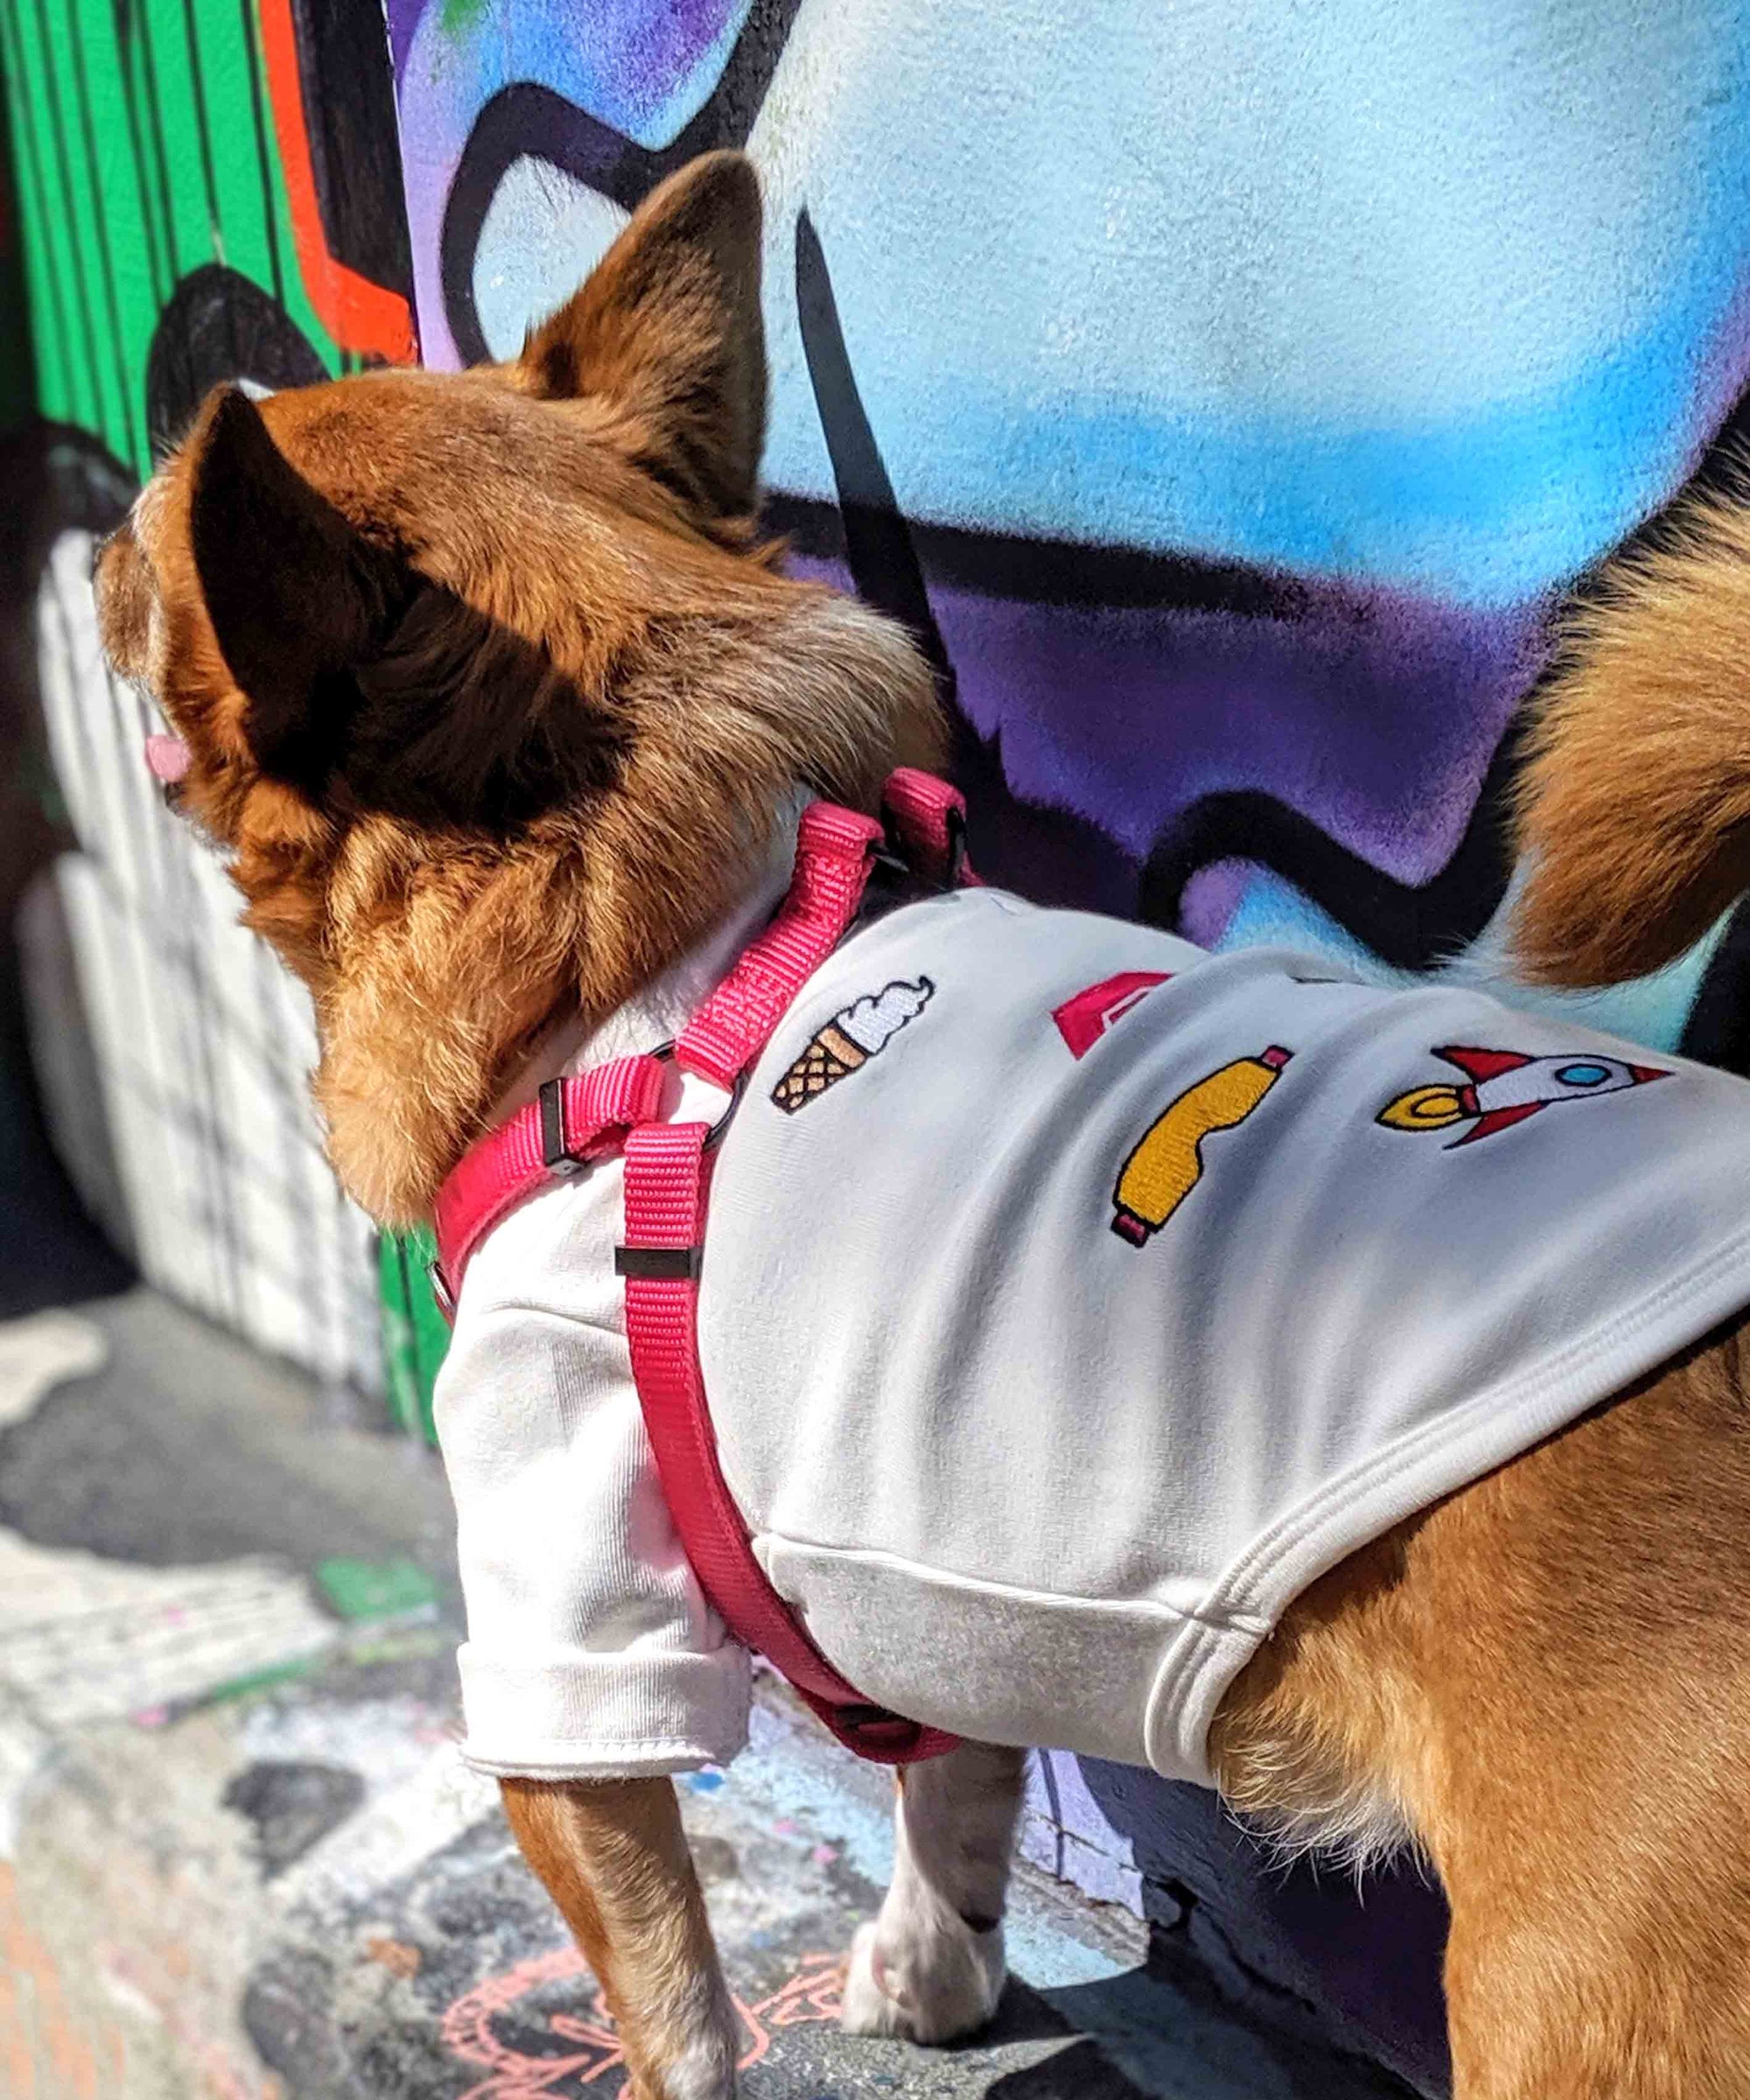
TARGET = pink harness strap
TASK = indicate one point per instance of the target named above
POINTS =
(731, 1028)
(668, 1176)
(572, 1123)
(668, 1187)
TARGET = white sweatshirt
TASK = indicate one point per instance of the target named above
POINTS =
(1071, 1299)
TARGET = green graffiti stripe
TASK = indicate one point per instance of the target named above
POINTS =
(143, 67)
(400, 1351)
(82, 212)
(139, 89)
(116, 210)
(238, 157)
(183, 147)
(48, 297)
(415, 1336)
(263, 164)
(57, 227)
(203, 130)
(228, 75)
(145, 149)
(160, 267)
(430, 1329)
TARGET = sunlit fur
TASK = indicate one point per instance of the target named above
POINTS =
(492, 698)
(615, 1860)
(1634, 806)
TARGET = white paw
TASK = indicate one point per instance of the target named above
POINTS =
(867, 2008)
(931, 1980)
(704, 2071)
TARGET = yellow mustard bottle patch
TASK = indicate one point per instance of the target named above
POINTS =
(1167, 1162)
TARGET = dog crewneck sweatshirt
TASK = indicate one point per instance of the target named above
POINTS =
(1071, 1299)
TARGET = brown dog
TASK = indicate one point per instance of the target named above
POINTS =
(490, 695)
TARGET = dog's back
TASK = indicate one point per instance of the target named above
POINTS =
(1046, 1370)
(1547, 1679)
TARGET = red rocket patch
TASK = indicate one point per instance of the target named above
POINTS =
(1505, 1087)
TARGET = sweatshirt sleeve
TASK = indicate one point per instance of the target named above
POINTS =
(592, 1651)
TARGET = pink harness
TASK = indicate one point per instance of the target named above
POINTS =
(615, 1107)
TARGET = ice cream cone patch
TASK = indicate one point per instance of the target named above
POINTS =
(847, 1042)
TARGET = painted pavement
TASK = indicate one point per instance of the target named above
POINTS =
(240, 1857)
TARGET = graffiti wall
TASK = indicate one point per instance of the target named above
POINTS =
(1226, 393)
(1229, 394)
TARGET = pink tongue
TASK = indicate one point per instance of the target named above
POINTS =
(168, 757)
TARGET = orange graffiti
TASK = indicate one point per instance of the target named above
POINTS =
(358, 314)
(39, 2032)
(471, 2033)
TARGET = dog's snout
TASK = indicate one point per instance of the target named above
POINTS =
(122, 587)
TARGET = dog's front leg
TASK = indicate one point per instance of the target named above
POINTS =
(931, 1966)
(615, 1858)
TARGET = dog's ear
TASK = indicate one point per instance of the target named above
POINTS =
(667, 328)
(298, 597)
(362, 677)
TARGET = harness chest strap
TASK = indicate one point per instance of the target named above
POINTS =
(668, 1169)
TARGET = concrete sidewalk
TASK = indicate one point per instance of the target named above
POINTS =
(240, 1857)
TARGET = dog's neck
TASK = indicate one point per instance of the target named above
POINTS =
(659, 1010)
(454, 959)
(483, 971)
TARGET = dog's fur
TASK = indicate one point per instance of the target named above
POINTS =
(1635, 805)
(492, 695)
(467, 690)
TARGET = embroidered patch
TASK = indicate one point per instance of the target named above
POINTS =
(1082, 1021)
(1504, 1087)
(854, 1034)
(1166, 1163)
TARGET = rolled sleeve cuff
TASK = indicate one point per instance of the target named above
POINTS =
(582, 1715)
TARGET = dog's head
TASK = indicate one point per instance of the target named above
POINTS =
(485, 682)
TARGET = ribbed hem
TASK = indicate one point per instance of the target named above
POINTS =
(575, 1715)
(1433, 1460)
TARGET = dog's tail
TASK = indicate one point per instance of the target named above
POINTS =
(1633, 807)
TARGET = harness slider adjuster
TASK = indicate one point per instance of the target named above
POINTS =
(556, 1156)
(659, 1264)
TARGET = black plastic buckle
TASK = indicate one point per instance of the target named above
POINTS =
(556, 1155)
(889, 857)
(859, 1719)
(441, 1291)
(874, 1732)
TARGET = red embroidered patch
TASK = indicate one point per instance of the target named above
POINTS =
(1082, 1021)
(1503, 1087)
